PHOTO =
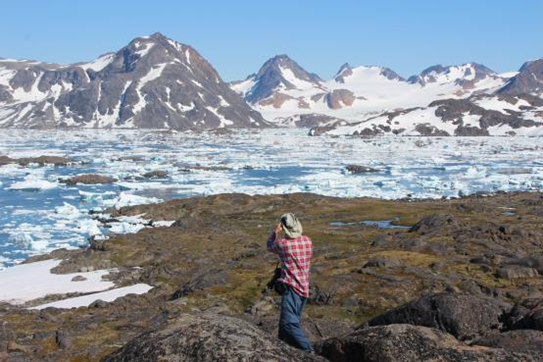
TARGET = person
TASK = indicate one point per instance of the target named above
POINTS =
(295, 251)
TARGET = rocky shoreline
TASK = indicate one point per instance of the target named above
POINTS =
(460, 281)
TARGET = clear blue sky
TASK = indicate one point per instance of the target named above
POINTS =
(237, 36)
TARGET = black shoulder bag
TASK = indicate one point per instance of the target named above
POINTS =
(274, 283)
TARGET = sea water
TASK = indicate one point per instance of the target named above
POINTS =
(38, 213)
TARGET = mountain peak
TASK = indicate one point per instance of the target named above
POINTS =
(467, 72)
(158, 36)
(528, 80)
(344, 71)
(279, 73)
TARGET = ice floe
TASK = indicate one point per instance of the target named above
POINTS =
(272, 161)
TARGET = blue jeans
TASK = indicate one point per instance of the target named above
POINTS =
(290, 322)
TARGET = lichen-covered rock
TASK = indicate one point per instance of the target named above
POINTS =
(208, 338)
(523, 340)
(407, 343)
(464, 316)
(433, 223)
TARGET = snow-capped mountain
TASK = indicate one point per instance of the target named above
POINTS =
(354, 93)
(153, 82)
(468, 76)
(478, 115)
(279, 80)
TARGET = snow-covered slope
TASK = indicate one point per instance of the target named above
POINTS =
(153, 82)
(478, 115)
(357, 93)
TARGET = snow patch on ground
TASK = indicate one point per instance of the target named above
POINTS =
(26, 282)
(86, 300)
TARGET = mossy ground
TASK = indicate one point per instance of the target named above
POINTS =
(227, 233)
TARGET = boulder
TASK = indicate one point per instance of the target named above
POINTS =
(314, 329)
(320, 296)
(202, 281)
(516, 272)
(208, 338)
(527, 314)
(383, 263)
(524, 341)
(464, 316)
(433, 223)
(407, 343)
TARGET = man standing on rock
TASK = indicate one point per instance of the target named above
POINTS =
(295, 251)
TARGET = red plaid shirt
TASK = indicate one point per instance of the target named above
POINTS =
(295, 255)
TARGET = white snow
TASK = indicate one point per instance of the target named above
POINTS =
(107, 296)
(26, 282)
(222, 119)
(154, 73)
(100, 63)
(144, 48)
(244, 87)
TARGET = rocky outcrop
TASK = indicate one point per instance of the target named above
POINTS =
(339, 98)
(360, 169)
(465, 75)
(529, 80)
(88, 179)
(403, 343)
(524, 341)
(527, 314)
(434, 223)
(516, 272)
(464, 316)
(207, 338)
(155, 174)
(40, 160)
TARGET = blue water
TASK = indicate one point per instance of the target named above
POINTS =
(257, 162)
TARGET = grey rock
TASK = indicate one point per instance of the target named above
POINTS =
(208, 338)
(464, 316)
(527, 314)
(383, 263)
(524, 341)
(433, 223)
(516, 272)
(406, 343)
